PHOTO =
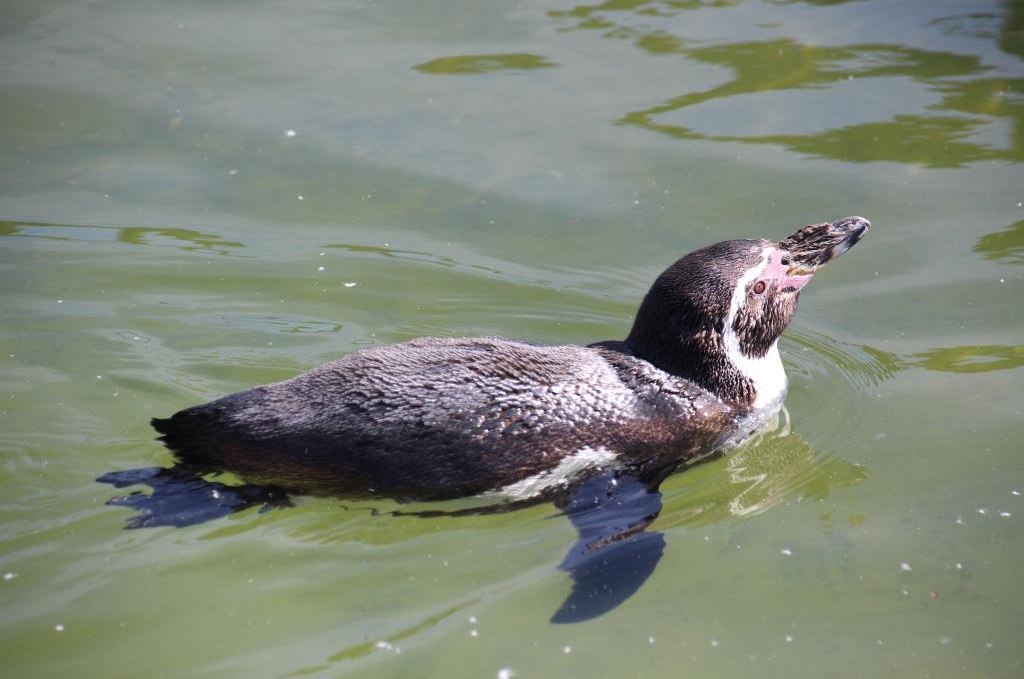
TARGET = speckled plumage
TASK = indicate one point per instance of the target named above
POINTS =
(438, 418)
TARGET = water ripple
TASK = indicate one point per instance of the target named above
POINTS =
(859, 365)
(772, 468)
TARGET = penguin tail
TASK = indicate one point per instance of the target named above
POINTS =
(191, 435)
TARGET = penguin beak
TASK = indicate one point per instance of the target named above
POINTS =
(815, 245)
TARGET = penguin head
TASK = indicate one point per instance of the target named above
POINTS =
(716, 314)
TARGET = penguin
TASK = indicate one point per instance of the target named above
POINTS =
(593, 428)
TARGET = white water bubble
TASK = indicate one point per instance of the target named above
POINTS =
(787, 552)
(290, 133)
(904, 566)
(506, 673)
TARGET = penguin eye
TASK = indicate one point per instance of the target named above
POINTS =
(759, 287)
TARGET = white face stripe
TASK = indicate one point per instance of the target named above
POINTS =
(766, 373)
(565, 471)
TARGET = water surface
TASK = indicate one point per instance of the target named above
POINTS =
(196, 198)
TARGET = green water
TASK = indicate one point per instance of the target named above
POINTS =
(521, 169)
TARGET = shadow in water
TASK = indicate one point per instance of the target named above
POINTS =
(614, 554)
(186, 239)
(182, 497)
(973, 358)
(484, 63)
(951, 132)
(1007, 245)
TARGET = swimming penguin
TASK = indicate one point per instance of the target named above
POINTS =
(588, 427)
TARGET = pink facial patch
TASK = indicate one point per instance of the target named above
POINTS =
(775, 270)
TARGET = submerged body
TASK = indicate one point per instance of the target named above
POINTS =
(443, 418)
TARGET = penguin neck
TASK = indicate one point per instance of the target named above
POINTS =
(715, 361)
(765, 374)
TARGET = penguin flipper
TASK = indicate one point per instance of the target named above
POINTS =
(182, 497)
(614, 555)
